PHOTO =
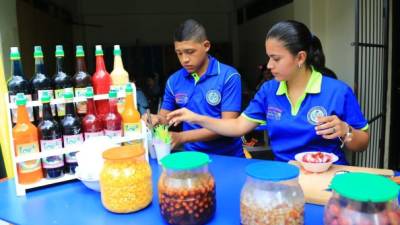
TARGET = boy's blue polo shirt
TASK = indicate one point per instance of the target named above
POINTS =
(291, 127)
(218, 90)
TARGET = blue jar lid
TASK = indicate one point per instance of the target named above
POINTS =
(272, 171)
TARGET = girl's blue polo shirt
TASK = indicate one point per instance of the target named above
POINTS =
(291, 127)
(218, 90)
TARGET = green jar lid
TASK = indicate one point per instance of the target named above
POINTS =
(365, 187)
(45, 97)
(112, 94)
(79, 51)
(38, 53)
(128, 89)
(117, 50)
(21, 99)
(14, 53)
(99, 50)
(89, 92)
(68, 95)
(185, 160)
(59, 51)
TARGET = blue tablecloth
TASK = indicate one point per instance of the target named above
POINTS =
(73, 203)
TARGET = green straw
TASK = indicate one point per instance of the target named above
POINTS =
(161, 133)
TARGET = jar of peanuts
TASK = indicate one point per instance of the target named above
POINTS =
(125, 180)
(186, 189)
(362, 199)
(271, 195)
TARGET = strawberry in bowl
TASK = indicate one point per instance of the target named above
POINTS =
(316, 162)
(317, 157)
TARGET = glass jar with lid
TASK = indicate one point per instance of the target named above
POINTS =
(362, 198)
(186, 189)
(125, 180)
(272, 195)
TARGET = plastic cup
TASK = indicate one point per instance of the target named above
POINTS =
(161, 150)
(151, 145)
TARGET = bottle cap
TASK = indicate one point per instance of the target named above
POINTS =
(14, 53)
(21, 99)
(89, 92)
(59, 51)
(99, 50)
(79, 51)
(45, 97)
(117, 50)
(38, 53)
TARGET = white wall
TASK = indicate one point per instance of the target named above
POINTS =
(339, 34)
(333, 22)
(8, 31)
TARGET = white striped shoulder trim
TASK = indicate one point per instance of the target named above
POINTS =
(169, 87)
(230, 76)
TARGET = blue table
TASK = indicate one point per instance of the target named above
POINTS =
(73, 203)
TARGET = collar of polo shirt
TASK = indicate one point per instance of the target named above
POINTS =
(313, 87)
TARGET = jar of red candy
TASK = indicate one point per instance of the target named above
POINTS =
(362, 199)
(186, 189)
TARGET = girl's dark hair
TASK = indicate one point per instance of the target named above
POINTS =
(297, 37)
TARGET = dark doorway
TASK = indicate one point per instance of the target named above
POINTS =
(371, 71)
(394, 153)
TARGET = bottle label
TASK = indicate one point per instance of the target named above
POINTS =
(59, 93)
(119, 88)
(121, 101)
(52, 161)
(89, 135)
(13, 99)
(72, 140)
(31, 165)
(81, 107)
(113, 133)
(40, 94)
(132, 129)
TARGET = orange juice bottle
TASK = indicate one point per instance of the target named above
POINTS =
(130, 115)
(26, 141)
(119, 76)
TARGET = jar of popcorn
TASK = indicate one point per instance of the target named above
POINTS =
(125, 180)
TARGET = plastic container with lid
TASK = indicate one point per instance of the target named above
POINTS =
(186, 189)
(362, 198)
(271, 195)
(125, 180)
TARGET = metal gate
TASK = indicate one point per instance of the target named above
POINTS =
(371, 69)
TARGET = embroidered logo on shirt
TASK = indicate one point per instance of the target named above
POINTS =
(274, 113)
(213, 97)
(181, 98)
(314, 113)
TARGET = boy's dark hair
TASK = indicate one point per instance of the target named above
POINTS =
(190, 30)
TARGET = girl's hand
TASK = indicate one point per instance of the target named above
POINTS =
(183, 114)
(331, 127)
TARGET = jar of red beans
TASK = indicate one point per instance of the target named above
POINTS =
(362, 199)
(186, 189)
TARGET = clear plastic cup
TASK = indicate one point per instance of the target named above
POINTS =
(151, 145)
(162, 149)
